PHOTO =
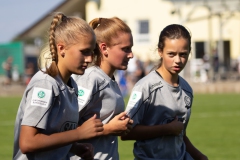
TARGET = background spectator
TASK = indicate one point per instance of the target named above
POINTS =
(7, 66)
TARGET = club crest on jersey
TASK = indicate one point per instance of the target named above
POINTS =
(41, 97)
(80, 92)
(41, 94)
(133, 102)
(134, 96)
(187, 101)
(83, 96)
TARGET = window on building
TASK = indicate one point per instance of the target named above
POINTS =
(199, 49)
(143, 31)
(143, 27)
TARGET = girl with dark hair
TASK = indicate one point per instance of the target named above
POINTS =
(160, 103)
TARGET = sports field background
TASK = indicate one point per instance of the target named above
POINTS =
(214, 127)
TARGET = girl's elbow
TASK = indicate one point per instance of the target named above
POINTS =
(25, 148)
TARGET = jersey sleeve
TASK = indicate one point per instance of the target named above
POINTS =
(134, 103)
(137, 104)
(86, 88)
(141, 97)
(38, 101)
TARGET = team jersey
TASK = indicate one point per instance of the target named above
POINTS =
(51, 106)
(99, 94)
(155, 102)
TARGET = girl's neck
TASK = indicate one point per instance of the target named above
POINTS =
(172, 79)
(64, 75)
(107, 69)
(64, 78)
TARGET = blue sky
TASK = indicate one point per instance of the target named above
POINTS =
(17, 15)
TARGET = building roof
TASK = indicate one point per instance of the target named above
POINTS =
(40, 28)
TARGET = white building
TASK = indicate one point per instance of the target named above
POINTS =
(214, 25)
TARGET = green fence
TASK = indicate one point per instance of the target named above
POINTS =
(14, 50)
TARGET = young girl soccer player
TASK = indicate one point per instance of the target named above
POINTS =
(46, 123)
(160, 103)
(99, 93)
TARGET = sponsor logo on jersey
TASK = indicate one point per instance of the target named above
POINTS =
(68, 126)
(101, 83)
(156, 84)
(80, 92)
(187, 101)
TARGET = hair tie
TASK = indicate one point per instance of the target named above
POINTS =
(98, 23)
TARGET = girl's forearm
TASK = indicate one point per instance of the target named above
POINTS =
(141, 132)
(33, 141)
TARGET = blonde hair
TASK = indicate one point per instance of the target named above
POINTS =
(106, 29)
(68, 30)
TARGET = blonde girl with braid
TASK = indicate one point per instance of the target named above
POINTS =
(46, 123)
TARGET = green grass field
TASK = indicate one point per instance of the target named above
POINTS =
(214, 127)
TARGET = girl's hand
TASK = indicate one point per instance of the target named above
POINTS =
(176, 127)
(83, 150)
(91, 128)
(129, 126)
(119, 125)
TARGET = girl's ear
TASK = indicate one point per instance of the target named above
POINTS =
(103, 48)
(61, 49)
(160, 53)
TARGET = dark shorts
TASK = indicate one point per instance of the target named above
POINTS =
(9, 74)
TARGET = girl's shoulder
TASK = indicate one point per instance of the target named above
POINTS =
(93, 78)
(185, 85)
(45, 81)
(149, 83)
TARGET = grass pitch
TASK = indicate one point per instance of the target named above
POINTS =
(213, 127)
